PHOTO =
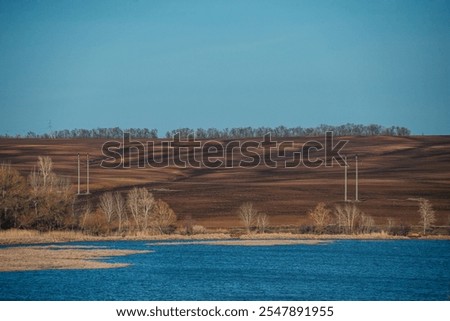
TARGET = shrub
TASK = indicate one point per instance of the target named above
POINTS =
(198, 229)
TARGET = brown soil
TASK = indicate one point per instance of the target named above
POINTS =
(393, 172)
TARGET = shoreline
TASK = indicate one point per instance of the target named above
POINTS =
(28, 237)
(23, 250)
(52, 257)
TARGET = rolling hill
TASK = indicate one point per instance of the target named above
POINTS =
(393, 172)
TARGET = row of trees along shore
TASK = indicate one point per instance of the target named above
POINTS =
(345, 218)
(45, 201)
(226, 133)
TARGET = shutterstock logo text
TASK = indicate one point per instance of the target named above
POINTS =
(184, 152)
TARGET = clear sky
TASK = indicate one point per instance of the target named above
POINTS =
(169, 64)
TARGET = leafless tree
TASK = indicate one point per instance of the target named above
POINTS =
(45, 181)
(120, 209)
(366, 223)
(262, 221)
(390, 223)
(63, 186)
(51, 197)
(427, 214)
(134, 206)
(87, 211)
(189, 224)
(321, 216)
(247, 213)
(140, 202)
(107, 206)
(34, 181)
(198, 229)
(347, 216)
(45, 166)
(163, 215)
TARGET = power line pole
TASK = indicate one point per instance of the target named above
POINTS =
(78, 173)
(356, 184)
(87, 173)
(345, 179)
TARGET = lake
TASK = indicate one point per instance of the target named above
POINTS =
(339, 270)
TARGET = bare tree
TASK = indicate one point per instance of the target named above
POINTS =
(366, 223)
(44, 180)
(63, 186)
(107, 206)
(140, 202)
(120, 209)
(164, 216)
(188, 224)
(51, 197)
(347, 216)
(87, 211)
(247, 213)
(321, 216)
(133, 205)
(34, 181)
(427, 214)
(262, 221)
(390, 224)
(198, 229)
(45, 165)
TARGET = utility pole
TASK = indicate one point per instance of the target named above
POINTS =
(87, 173)
(345, 179)
(356, 183)
(78, 174)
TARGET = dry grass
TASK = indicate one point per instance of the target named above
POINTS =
(371, 236)
(34, 237)
(55, 257)
(206, 236)
(262, 242)
(14, 236)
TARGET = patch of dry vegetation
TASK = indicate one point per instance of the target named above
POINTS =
(14, 236)
(59, 258)
(261, 242)
(283, 236)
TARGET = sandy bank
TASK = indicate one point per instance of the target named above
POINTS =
(59, 258)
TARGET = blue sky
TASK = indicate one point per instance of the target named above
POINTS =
(170, 64)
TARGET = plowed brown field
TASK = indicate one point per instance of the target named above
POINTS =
(392, 171)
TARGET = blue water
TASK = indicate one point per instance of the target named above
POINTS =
(341, 270)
